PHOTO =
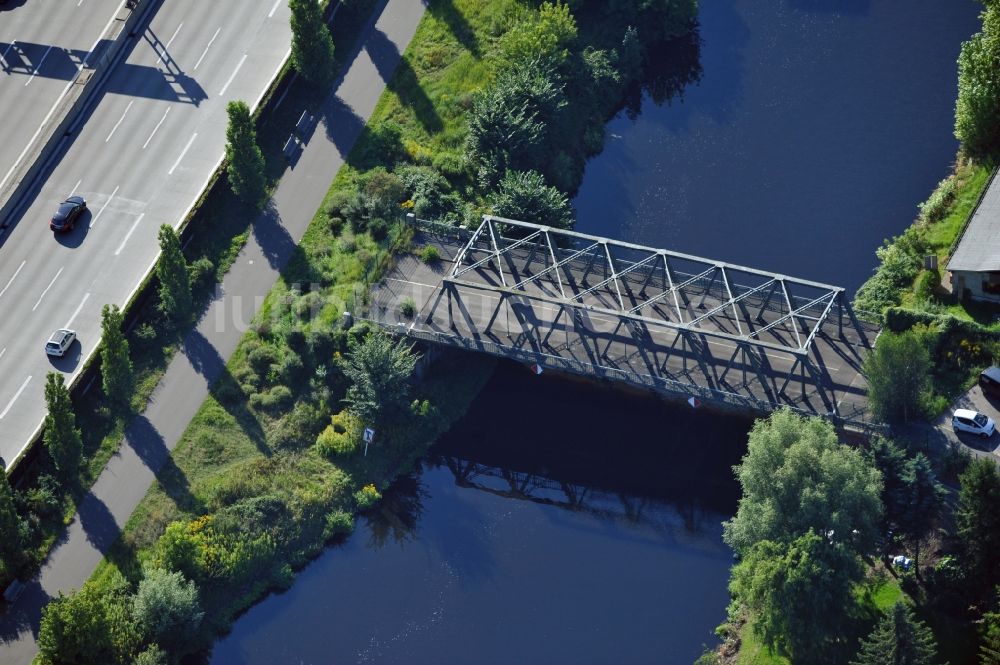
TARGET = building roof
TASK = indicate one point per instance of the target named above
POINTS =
(979, 248)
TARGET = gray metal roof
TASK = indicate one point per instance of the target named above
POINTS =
(979, 249)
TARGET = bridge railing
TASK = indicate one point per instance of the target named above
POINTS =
(856, 418)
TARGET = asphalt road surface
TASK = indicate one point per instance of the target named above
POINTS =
(152, 435)
(141, 159)
(43, 44)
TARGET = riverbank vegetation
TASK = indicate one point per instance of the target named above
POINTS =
(961, 335)
(273, 466)
(817, 530)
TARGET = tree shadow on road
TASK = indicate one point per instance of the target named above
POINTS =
(151, 448)
(226, 390)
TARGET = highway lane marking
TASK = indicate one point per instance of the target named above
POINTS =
(77, 310)
(274, 8)
(169, 42)
(47, 289)
(129, 234)
(3, 352)
(13, 278)
(52, 109)
(205, 52)
(73, 191)
(16, 395)
(115, 128)
(38, 66)
(183, 152)
(155, 129)
(233, 75)
(103, 207)
(6, 51)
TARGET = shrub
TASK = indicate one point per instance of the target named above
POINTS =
(367, 497)
(341, 437)
(429, 254)
(526, 197)
(927, 282)
(273, 400)
(977, 112)
(145, 335)
(429, 190)
(201, 273)
(166, 608)
(936, 206)
(408, 308)
(299, 427)
(261, 357)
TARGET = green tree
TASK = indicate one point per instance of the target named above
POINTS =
(977, 111)
(116, 365)
(510, 121)
(891, 461)
(923, 498)
(898, 374)
(898, 639)
(796, 476)
(525, 196)
(62, 438)
(989, 650)
(379, 370)
(10, 530)
(799, 594)
(175, 283)
(166, 608)
(547, 34)
(244, 160)
(312, 45)
(90, 626)
(978, 521)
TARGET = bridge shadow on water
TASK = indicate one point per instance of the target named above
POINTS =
(590, 438)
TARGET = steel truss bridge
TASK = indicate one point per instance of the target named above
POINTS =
(653, 318)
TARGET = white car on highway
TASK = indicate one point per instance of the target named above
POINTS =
(60, 342)
(966, 420)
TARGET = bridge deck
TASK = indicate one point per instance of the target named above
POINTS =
(532, 325)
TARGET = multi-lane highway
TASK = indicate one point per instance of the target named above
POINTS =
(43, 44)
(141, 159)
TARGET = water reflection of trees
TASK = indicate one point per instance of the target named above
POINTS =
(672, 66)
(396, 517)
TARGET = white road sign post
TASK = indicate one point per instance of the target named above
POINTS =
(368, 436)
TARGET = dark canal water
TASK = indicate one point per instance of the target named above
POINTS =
(591, 536)
(566, 523)
(815, 129)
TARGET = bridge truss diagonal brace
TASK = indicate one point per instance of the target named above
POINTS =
(562, 248)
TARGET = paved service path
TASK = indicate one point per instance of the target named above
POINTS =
(141, 158)
(185, 385)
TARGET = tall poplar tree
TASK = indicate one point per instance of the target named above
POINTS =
(62, 438)
(312, 45)
(245, 161)
(10, 528)
(175, 283)
(116, 366)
